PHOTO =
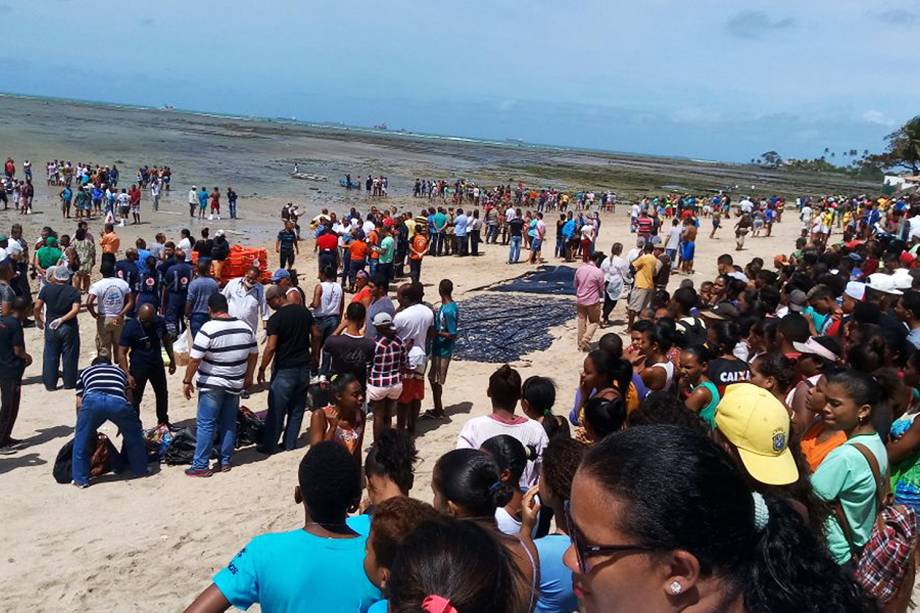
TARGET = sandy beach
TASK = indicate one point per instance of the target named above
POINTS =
(155, 542)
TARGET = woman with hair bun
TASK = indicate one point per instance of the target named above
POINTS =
(452, 566)
(728, 549)
(467, 485)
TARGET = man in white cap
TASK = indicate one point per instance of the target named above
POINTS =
(192, 201)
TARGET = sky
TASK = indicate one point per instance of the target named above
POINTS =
(704, 79)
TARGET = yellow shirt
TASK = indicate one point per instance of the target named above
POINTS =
(645, 271)
(410, 224)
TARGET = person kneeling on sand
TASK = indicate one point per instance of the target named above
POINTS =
(102, 395)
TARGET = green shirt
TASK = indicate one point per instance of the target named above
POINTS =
(48, 256)
(387, 250)
(845, 475)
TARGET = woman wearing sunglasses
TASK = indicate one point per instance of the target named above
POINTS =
(661, 520)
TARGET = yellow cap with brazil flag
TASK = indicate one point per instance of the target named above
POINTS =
(755, 422)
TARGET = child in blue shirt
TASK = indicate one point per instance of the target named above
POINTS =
(319, 567)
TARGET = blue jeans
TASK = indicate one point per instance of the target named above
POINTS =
(286, 397)
(514, 253)
(61, 345)
(195, 321)
(353, 267)
(217, 410)
(95, 410)
(232, 204)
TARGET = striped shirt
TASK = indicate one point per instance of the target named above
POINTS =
(224, 347)
(103, 379)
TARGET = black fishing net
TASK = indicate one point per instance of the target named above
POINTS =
(554, 280)
(503, 328)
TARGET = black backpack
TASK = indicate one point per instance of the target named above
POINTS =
(181, 449)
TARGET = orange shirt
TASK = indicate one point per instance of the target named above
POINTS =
(358, 250)
(815, 451)
(109, 243)
(419, 244)
(372, 239)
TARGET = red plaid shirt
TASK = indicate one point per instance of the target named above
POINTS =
(389, 359)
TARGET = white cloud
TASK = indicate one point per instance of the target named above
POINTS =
(878, 118)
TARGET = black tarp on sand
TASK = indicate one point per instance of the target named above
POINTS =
(553, 280)
(502, 328)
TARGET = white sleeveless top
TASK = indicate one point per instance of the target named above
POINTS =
(331, 300)
(668, 367)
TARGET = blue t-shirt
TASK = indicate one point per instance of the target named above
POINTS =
(460, 225)
(360, 524)
(293, 572)
(382, 606)
(200, 291)
(556, 593)
(445, 320)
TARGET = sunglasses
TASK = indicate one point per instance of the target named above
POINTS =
(583, 550)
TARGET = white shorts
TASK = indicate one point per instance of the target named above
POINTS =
(375, 393)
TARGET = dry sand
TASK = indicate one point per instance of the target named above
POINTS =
(155, 542)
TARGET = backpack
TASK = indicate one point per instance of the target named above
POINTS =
(886, 565)
(104, 457)
(181, 449)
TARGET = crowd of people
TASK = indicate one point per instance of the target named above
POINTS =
(735, 454)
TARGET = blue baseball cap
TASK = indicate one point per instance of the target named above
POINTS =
(279, 274)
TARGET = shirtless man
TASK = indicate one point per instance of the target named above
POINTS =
(688, 248)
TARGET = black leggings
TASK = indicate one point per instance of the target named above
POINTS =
(609, 305)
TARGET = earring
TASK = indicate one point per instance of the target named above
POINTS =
(675, 587)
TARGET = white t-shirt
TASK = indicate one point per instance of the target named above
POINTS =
(746, 206)
(530, 433)
(635, 211)
(587, 232)
(412, 324)
(186, 245)
(673, 237)
(110, 295)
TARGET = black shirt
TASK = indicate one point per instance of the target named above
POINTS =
(145, 343)
(725, 371)
(291, 324)
(287, 238)
(350, 354)
(517, 224)
(203, 247)
(126, 270)
(10, 337)
(59, 299)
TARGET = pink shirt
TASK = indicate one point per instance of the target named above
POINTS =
(589, 284)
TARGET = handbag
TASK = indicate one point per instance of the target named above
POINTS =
(886, 564)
